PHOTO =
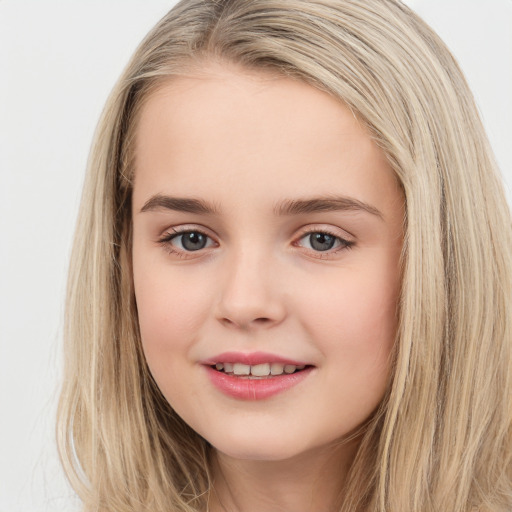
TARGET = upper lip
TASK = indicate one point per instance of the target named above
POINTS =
(251, 359)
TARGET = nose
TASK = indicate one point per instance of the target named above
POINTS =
(251, 295)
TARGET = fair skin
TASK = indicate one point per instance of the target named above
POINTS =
(265, 220)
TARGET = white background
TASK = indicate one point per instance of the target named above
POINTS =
(58, 62)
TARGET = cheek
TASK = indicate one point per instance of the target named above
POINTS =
(171, 312)
(356, 319)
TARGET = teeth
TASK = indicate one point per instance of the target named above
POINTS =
(241, 369)
(258, 370)
(276, 368)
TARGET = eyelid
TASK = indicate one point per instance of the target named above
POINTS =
(347, 242)
(328, 229)
(173, 232)
(185, 228)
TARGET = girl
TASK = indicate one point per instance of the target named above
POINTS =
(291, 281)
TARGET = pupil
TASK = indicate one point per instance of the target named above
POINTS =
(193, 241)
(322, 241)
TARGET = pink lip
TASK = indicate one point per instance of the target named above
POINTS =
(251, 358)
(244, 388)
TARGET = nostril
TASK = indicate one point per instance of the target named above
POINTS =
(261, 320)
(227, 322)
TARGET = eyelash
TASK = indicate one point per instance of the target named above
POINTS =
(166, 241)
(343, 243)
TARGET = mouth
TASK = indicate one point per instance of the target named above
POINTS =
(258, 371)
(256, 382)
(255, 375)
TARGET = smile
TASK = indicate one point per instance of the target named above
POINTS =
(255, 376)
(258, 371)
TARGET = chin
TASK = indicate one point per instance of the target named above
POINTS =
(262, 446)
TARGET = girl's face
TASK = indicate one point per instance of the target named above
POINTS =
(267, 232)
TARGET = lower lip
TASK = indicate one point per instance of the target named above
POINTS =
(244, 388)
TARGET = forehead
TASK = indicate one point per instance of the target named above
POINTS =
(223, 127)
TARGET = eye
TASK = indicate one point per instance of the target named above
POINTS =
(186, 241)
(321, 241)
(191, 240)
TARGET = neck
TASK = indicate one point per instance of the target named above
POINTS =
(305, 483)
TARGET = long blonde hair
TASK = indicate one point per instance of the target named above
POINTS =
(442, 439)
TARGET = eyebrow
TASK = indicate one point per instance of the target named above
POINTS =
(288, 207)
(180, 204)
(325, 204)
